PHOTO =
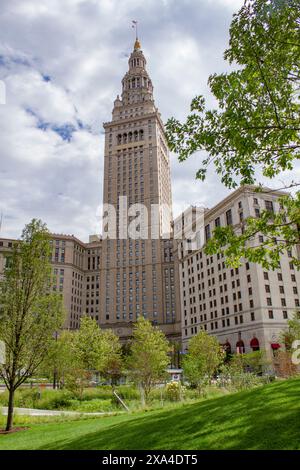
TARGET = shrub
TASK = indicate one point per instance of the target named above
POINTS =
(24, 398)
(236, 379)
(54, 400)
(90, 406)
(174, 391)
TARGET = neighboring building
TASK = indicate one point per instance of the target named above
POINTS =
(76, 269)
(246, 307)
(138, 275)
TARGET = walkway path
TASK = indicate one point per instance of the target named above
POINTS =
(36, 412)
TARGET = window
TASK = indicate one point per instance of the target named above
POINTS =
(271, 314)
(269, 206)
(207, 232)
(229, 217)
(252, 314)
(285, 314)
(217, 222)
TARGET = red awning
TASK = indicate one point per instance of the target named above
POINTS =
(275, 345)
(254, 343)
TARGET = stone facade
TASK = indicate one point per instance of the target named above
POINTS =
(76, 271)
(138, 273)
(242, 307)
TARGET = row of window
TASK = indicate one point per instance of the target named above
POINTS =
(238, 320)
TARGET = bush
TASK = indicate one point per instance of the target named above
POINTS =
(236, 379)
(174, 391)
(24, 398)
(91, 406)
(128, 392)
(54, 400)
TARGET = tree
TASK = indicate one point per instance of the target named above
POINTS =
(255, 129)
(93, 351)
(85, 345)
(30, 312)
(112, 365)
(254, 361)
(292, 333)
(148, 358)
(59, 359)
(204, 357)
(286, 362)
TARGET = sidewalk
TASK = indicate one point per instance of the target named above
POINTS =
(36, 412)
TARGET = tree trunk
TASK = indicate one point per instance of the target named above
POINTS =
(54, 379)
(10, 411)
(142, 392)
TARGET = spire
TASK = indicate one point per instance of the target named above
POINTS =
(137, 45)
(136, 84)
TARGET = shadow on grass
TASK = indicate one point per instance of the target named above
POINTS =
(264, 418)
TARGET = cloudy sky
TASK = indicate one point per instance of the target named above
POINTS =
(62, 62)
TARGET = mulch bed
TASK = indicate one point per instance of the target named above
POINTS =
(2, 431)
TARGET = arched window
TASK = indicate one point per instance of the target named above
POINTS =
(141, 134)
(254, 344)
(136, 136)
(240, 347)
(119, 139)
(124, 138)
(133, 83)
(227, 348)
(129, 136)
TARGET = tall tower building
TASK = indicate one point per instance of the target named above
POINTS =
(137, 271)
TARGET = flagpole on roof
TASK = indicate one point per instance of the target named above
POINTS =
(135, 26)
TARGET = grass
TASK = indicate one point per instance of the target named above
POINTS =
(266, 417)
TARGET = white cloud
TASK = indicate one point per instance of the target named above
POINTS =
(62, 62)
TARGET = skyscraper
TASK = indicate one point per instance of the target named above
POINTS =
(137, 268)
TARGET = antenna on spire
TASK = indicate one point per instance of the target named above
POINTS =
(135, 26)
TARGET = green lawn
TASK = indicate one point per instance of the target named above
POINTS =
(264, 418)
